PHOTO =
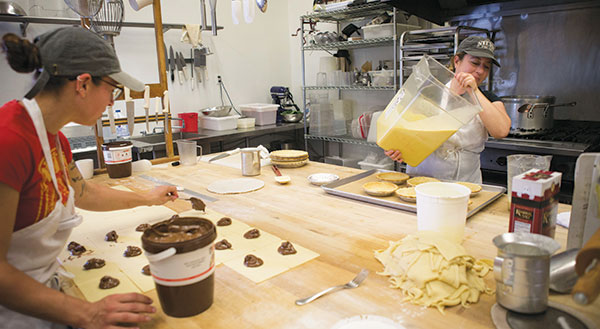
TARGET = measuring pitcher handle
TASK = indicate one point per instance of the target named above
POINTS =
(161, 255)
(503, 270)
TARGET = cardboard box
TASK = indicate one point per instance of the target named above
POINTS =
(533, 202)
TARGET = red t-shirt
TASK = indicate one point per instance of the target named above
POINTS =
(24, 167)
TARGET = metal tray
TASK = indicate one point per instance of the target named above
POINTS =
(332, 188)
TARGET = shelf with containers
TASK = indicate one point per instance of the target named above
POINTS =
(378, 39)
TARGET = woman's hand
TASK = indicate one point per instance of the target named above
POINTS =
(464, 80)
(119, 309)
(394, 155)
(161, 194)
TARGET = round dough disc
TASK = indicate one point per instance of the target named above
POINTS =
(234, 186)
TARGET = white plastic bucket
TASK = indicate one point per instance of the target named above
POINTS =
(442, 207)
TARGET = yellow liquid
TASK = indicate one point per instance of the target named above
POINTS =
(416, 139)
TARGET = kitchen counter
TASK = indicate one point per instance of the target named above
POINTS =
(154, 145)
(345, 233)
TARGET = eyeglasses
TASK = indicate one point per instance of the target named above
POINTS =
(117, 91)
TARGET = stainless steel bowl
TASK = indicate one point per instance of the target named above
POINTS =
(217, 111)
(11, 8)
(292, 117)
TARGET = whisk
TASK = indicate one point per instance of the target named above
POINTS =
(109, 19)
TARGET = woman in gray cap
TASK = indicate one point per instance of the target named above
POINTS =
(78, 76)
(458, 158)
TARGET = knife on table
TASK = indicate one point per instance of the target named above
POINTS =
(179, 68)
(147, 105)
(130, 106)
(172, 63)
(224, 155)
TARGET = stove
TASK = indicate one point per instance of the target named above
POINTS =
(565, 142)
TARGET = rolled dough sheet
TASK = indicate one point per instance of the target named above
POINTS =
(274, 262)
(133, 269)
(259, 274)
(88, 280)
(235, 186)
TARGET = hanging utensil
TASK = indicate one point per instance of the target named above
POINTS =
(192, 69)
(197, 67)
(213, 15)
(130, 107)
(248, 11)
(179, 68)
(236, 9)
(172, 63)
(203, 13)
(157, 108)
(147, 105)
(109, 19)
(183, 64)
(262, 5)
(85, 8)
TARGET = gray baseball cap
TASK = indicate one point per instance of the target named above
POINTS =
(479, 47)
(70, 51)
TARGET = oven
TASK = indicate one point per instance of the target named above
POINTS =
(565, 142)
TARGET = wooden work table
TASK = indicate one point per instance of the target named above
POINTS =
(345, 233)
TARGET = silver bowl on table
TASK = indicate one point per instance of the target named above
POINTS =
(292, 117)
(217, 111)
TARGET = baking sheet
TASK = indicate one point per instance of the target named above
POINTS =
(351, 187)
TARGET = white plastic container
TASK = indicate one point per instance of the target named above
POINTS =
(442, 207)
(245, 123)
(219, 123)
(368, 166)
(386, 30)
(265, 114)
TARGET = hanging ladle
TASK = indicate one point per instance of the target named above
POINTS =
(527, 107)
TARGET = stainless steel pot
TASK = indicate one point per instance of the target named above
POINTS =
(530, 114)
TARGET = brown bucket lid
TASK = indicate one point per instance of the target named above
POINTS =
(185, 234)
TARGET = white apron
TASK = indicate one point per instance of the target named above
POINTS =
(34, 249)
(458, 158)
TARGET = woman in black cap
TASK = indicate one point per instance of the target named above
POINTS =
(458, 158)
(78, 76)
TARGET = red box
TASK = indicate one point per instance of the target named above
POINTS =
(534, 205)
(190, 122)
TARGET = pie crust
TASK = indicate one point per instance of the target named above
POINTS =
(393, 177)
(407, 194)
(475, 188)
(380, 188)
(420, 180)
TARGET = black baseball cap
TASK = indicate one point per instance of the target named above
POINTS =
(479, 47)
(71, 51)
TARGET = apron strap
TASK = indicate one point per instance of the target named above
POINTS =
(35, 113)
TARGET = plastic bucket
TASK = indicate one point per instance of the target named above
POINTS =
(424, 113)
(442, 208)
(117, 156)
(182, 262)
(190, 122)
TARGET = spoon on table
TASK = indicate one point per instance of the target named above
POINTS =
(279, 178)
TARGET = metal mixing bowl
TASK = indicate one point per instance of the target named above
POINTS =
(292, 117)
(11, 8)
(217, 111)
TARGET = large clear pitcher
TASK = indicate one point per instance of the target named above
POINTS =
(424, 113)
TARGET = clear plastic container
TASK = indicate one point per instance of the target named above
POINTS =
(265, 114)
(424, 113)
